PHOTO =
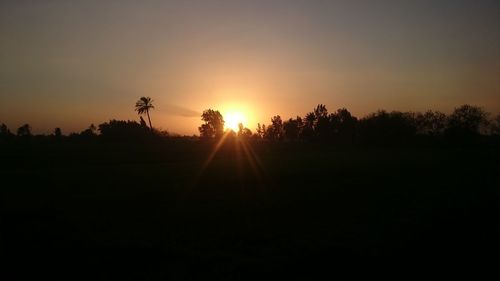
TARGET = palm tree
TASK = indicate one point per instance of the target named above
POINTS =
(143, 105)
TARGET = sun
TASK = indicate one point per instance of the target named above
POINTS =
(233, 119)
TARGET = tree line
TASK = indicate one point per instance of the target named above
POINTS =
(466, 124)
(114, 129)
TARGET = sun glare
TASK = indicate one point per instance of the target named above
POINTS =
(233, 119)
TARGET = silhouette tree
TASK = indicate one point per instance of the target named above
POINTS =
(90, 132)
(320, 111)
(213, 126)
(143, 105)
(343, 126)
(495, 126)
(243, 132)
(322, 123)
(24, 131)
(310, 119)
(4, 130)
(307, 131)
(316, 123)
(261, 130)
(5, 133)
(143, 123)
(385, 127)
(58, 133)
(240, 129)
(464, 125)
(275, 130)
(292, 128)
(123, 130)
(430, 123)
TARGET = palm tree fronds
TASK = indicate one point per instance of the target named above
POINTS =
(143, 105)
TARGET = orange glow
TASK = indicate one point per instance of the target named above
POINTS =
(233, 119)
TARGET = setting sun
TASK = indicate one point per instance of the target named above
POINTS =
(233, 119)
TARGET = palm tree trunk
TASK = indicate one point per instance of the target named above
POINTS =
(149, 119)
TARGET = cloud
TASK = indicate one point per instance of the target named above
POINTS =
(176, 110)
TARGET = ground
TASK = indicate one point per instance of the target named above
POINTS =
(160, 210)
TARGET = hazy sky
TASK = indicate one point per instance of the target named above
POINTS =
(68, 64)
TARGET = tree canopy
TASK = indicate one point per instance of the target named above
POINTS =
(144, 105)
(213, 126)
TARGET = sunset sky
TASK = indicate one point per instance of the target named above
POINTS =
(69, 64)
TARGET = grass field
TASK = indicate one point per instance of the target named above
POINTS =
(161, 211)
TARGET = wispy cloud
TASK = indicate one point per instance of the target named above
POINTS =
(171, 109)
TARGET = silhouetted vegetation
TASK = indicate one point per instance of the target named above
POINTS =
(275, 130)
(466, 125)
(243, 132)
(24, 131)
(431, 123)
(213, 126)
(387, 128)
(5, 133)
(144, 105)
(57, 132)
(124, 130)
(495, 126)
(121, 201)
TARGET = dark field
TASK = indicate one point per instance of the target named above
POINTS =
(104, 211)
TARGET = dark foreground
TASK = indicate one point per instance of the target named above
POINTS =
(108, 211)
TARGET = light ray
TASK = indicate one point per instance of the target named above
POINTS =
(252, 158)
(211, 156)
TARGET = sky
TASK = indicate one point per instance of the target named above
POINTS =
(68, 64)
